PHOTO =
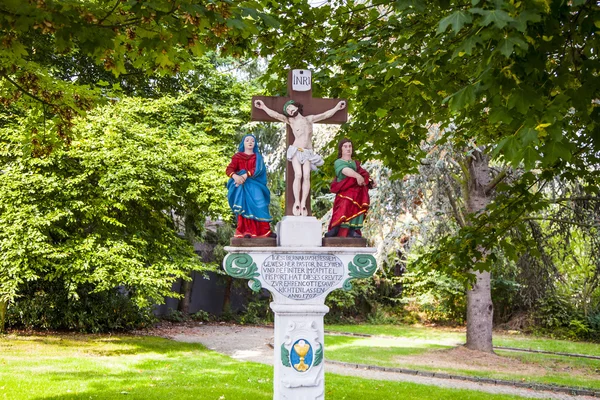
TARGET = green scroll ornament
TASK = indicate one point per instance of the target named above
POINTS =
(285, 356)
(362, 266)
(318, 355)
(242, 266)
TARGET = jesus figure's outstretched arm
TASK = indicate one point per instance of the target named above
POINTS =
(327, 114)
(271, 113)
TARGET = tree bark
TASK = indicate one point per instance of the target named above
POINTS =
(480, 310)
(480, 314)
(3, 307)
(186, 292)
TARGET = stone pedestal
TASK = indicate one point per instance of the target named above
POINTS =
(253, 242)
(300, 274)
(299, 232)
(298, 351)
(299, 277)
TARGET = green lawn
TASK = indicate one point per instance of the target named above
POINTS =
(127, 367)
(453, 337)
(400, 341)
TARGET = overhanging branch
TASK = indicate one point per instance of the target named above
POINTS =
(497, 179)
(562, 221)
(24, 91)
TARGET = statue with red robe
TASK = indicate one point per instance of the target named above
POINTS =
(351, 187)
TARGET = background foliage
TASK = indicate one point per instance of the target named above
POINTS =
(112, 208)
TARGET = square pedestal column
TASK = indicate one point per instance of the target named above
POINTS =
(299, 232)
(299, 373)
(299, 278)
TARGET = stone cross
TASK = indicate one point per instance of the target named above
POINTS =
(300, 90)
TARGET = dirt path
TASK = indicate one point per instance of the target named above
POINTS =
(250, 343)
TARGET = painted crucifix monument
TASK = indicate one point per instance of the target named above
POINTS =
(299, 111)
(299, 272)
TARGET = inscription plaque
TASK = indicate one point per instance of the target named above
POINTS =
(301, 80)
(302, 276)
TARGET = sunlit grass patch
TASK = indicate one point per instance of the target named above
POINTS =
(446, 336)
(419, 348)
(150, 368)
(359, 350)
(453, 337)
(553, 345)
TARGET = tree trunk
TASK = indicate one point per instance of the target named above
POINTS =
(3, 307)
(480, 313)
(480, 310)
(186, 292)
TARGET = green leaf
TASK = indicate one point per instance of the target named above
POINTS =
(457, 20)
(499, 146)
(529, 135)
(381, 112)
(500, 115)
(554, 150)
(163, 60)
(467, 46)
(318, 356)
(518, 100)
(462, 98)
(530, 156)
(285, 356)
(507, 45)
(499, 18)
(526, 16)
(511, 150)
(270, 21)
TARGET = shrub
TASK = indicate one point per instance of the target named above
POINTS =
(47, 306)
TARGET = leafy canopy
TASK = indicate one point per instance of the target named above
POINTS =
(521, 76)
(54, 52)
(106, 211)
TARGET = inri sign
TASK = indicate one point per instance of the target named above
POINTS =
(301, 80)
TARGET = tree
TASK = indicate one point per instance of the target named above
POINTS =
(520, 79)
(61, 59)
(106, 210)
(55, 54)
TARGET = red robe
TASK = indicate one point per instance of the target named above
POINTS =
(246, 226)
(351, 200)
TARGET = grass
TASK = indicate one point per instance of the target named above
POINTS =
(402, 341)
(453, 337)
(115, 367)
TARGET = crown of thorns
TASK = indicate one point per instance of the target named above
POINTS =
(287, 103)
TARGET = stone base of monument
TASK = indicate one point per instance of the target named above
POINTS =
(253, 242)
(299, 231)
(344, 242)
(299, 278)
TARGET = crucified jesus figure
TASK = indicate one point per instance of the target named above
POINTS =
(300, 153)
